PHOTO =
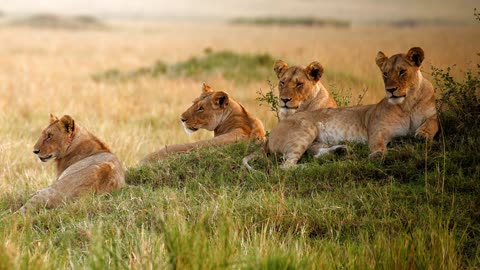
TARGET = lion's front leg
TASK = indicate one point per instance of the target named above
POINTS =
(158, 155)
(297, 145)
(290, 160)
(428, 129)
(47, 197)
(167, 151)
(181, 148)
(377, 142)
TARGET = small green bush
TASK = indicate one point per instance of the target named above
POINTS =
(270, 99)
(459, 103)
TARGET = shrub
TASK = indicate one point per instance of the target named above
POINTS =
(458, 103)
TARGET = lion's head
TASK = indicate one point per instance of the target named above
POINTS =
(206, 111)
(55, 138)
(400, 73)
(296, 84)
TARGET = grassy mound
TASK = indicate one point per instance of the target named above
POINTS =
(418, 208)
(241, 68)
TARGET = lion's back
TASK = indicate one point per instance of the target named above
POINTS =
(101, 172)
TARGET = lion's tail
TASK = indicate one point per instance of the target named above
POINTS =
(246, 159)
(254, 154)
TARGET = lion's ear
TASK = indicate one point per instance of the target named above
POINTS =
(53, 118)
(220, 100)
(68, 123)
(380, 59)
(206, 88)
(280, 67)
(416, 55)
(314, 71)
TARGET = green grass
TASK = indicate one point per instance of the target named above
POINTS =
(238, 67)
(417, 208)
(204, 210)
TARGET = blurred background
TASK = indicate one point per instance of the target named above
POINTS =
(357, 11)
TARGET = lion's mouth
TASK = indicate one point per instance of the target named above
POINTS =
(289, 108)
(188, 130)
(45, 159)
(395, 100)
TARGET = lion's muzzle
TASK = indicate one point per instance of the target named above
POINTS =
(45, 159)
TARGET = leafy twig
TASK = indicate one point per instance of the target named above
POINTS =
(270, 99)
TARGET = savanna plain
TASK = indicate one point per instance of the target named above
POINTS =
(418, 208)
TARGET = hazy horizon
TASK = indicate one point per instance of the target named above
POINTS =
(356, 11)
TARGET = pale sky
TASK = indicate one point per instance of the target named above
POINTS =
(354, 10)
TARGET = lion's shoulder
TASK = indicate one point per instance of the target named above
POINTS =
(91, 161)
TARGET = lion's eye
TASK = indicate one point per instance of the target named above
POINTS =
(385, 74)
(49, 136)
(200, 109)
(282, 83)
(402, 72)
(299, 85)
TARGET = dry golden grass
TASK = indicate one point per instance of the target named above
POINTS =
(46, 71)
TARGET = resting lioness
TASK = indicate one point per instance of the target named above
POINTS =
(84, 163)
(408, 108)
(214, 111)
(300, 89)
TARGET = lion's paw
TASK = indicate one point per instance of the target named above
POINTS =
(376, 156)
(423, 134)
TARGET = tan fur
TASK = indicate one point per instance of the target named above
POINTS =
(408, 108)
(84, 163)
(300, 88)
(214, 111)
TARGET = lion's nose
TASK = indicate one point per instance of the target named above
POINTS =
(36, 151)
(392, 89)
(285, 100)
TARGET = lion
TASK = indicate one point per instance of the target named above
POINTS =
(407, 108)
(84, 163)
(214, 111)
(300, 89)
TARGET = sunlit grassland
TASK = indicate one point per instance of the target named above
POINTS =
(189, 212)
